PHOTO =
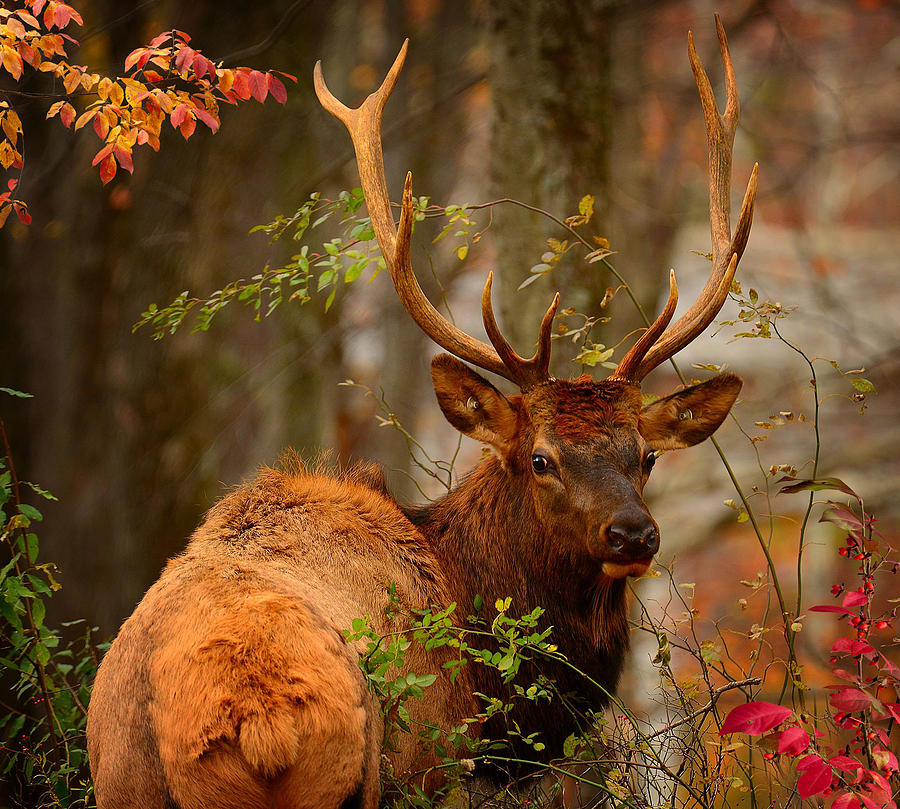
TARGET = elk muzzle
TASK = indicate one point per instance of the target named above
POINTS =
(631, 538)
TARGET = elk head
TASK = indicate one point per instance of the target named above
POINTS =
(583, 448)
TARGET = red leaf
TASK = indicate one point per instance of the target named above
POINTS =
(793, 741)
(850, 700)
(860, 647)
(815, 780)
(22, 213)
(159, 39)
(38, 5)
(259, 87)
(276, 88)
(894, 709)
(754, 718)
(830, 608)
(241, 86)
(184, 59)
(108, 169)
(855, 599)
(846, 800)
(11, 184)
(124, 158)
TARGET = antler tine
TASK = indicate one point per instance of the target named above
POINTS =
(628, 367)
(726, 249)
(530, 372)
(364, 126)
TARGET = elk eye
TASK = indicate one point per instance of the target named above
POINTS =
(649, 460)
(540, 463)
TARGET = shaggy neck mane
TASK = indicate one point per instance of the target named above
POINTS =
(489, 541)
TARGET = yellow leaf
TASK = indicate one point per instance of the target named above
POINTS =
(72, 79)
(103, 88)
(586, 206)
(117, 94)
(84, 118)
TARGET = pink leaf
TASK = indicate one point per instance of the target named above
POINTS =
(816, 778)
(754, 718)
(893, 709)
(846, 800)
(830, 608)
(855, 599)
(259, 87)
(276, 89)
(850, 700)
(793, 741)
(844, 763)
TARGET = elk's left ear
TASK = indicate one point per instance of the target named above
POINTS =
(691, 415)
(472, 404)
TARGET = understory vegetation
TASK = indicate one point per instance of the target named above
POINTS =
(751, 717)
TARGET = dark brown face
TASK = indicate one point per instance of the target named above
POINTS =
(588, 465)
(586, 449)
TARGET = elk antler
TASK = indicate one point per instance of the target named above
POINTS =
(727, 250)
(364, 126)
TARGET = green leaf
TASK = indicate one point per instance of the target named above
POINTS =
(478, 603)
(863, 385)
(17, 393)
(31, 512)
(38, 611)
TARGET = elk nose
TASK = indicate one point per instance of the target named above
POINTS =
(632, 535)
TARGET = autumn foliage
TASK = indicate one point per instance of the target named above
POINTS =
(167, 79)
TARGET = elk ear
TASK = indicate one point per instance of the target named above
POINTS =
(472, 404)
(691, 415)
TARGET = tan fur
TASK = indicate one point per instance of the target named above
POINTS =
(231, 684)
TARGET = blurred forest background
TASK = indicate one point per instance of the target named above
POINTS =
(543, 101)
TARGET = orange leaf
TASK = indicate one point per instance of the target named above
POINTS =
(16, 27)
(84, 118)
(72, 79)
(12, 62)
(101, 126)
(67, 115)
(187, 127)
(226, 79)
(55, 108)
(108, 169)
(137, 58)
(24, 15)
(259, 87)
(102, 154)
(28, 53)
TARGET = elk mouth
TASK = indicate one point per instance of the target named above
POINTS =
(619, 570)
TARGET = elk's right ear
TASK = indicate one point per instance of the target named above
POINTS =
(472, 404)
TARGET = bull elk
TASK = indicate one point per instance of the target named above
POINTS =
(232, 684)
